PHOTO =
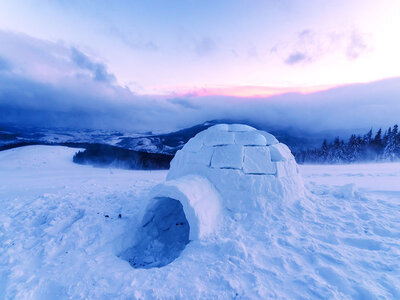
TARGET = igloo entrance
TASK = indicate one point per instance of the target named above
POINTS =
(163, 235)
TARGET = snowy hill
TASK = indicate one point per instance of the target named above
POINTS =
(63, 227)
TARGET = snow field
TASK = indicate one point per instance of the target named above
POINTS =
(61, 236)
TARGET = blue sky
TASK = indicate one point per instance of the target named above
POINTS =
(157, 47)
(154, 54)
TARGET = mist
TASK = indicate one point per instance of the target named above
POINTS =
(80, 92)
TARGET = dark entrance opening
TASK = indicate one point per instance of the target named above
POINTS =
(163, 235)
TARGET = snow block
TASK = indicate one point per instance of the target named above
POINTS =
(257, 160)
(204, 155)
(217, 138)
(240, 128)
(281, 169)
(229, 157)
(194, 145)
(286, 168)
(201, 203)
(252, 138)
(198, 159)
(280, 152)
(218, 127)
(176, 163)
(271, 140)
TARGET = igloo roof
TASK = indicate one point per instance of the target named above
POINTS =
(232, 147)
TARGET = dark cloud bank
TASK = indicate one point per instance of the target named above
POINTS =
(89, 97)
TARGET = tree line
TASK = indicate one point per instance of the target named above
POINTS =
(358, 148)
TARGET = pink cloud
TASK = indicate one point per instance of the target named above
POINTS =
(248, 91)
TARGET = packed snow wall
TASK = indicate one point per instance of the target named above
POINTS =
(246, 166)
(222, 172)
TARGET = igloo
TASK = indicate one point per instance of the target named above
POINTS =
(222, 172)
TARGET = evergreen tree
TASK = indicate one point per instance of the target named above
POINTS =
(324, 150)
(357, 149)
(336, 153)
(378, 137)
(390, 146)
(396, 136)
(395, 130)
(353, 149)
(368, 137)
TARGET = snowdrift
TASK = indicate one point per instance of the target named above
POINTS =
(222, 171)
(61, 234)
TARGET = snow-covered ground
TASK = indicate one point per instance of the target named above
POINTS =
(61, 236)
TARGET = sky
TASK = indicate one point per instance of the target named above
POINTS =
(137, 63)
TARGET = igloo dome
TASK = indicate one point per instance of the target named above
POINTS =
(224, 171)
(242, 163)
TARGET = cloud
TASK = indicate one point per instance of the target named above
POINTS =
(309, 46)
(47, 61)
(296, 58)
(52, 84)
(305, 34)
(48, 86)
(305, 49)
(205, 46)
(4, 64)
(357, 45)
(252, 51)
(86, 105)
(351, 107)
(98, 70)
(132, 42)
(184, 103)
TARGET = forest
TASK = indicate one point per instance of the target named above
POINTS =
(370, 147)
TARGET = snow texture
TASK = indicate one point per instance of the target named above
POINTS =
(226, 167)
(162, 236)
(257, 160)
(243, 164)
(227, 157)
(64, 226)
(201, 203)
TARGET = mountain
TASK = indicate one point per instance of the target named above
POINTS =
(169, 143)
(166, 143)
